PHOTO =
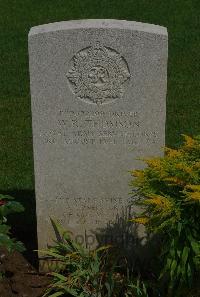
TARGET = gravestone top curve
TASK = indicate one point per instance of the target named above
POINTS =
(99, 23)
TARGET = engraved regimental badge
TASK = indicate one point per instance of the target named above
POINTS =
(98, 74)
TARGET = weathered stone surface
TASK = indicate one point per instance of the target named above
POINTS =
(98, 91)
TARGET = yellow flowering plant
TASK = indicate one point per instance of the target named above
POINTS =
(168, 190)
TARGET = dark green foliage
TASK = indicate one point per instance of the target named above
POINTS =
(7, 207)
(169, 191)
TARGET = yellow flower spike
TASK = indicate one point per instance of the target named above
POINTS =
(197, 165)
(154, 163)
(189, 141)
(193, 196)
(160, 201)
(140, 220)
(173, 153)
(184, 168)
(137, 173)
(174, 181)
(193, 187)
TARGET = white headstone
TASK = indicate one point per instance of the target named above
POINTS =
(98, 90)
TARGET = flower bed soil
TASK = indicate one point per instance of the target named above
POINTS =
(20, 279)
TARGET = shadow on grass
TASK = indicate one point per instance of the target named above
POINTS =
(24, 225)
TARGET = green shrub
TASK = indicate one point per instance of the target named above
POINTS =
(85, 273)
(168, 190)
(7, 207)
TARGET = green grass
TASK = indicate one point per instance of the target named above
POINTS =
(181, 17)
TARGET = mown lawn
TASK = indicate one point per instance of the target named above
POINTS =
(181, 17)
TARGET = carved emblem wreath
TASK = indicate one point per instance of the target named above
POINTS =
(97, 74)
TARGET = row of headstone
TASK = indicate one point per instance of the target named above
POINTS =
(98, 90)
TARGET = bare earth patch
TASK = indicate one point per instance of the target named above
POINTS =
(20, 278)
